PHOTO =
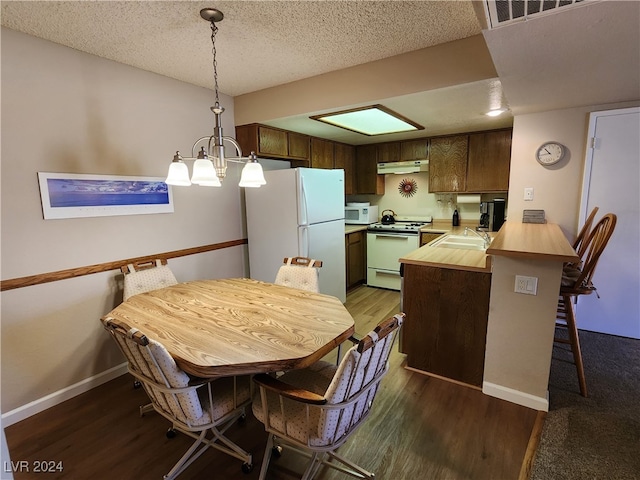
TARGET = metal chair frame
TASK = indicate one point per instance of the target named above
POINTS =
(362, 398)
(159, 391)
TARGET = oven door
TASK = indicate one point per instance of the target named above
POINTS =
(383, 251)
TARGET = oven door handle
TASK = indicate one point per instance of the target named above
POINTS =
(391, 235)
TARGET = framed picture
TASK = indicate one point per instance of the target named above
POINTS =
(69, 195)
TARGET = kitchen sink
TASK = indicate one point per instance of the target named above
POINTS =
(463, 242)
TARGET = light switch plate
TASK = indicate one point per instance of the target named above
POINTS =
(528, 194)
(526, 285)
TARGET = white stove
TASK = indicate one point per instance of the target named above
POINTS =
(406, 225)
(386, 244)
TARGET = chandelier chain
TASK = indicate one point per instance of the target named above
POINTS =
(214, 30)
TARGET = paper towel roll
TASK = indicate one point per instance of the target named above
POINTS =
(469, 199)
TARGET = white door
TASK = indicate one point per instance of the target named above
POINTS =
(612, 182)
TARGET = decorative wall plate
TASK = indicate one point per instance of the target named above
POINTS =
(408, 187)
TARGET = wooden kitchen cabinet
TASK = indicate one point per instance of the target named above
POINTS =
(445, 330)
(489, 161)
(299, 146)
(368, 182)
(448, 164)
(356, 258)
(388, 152)
(270, 142)
(426, 237)
(414, 149)
(322, 155)
(345, 157)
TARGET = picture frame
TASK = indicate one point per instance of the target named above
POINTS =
(70, 195)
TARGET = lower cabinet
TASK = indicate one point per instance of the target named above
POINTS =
(445, 330)
(356, 257)
(426, 237)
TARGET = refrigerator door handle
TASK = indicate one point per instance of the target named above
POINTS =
(303, 241)
(302, 195)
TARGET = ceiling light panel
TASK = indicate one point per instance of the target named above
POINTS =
(373, 120)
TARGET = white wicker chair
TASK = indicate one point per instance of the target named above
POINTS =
(194, 406)
(299, 272)
(315, 410)
(143, 277)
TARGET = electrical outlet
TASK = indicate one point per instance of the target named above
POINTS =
(528, 194)
(526, 285)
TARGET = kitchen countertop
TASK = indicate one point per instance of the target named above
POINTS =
(543, 241)
(354, 228)
(454, 259)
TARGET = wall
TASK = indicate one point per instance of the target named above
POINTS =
(557, 189)
(422, 203)
(452, 63)
(520, 332)
(67, 111)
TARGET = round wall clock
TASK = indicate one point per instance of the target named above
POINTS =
(550, 153)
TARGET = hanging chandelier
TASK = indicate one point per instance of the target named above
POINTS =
(210, 164)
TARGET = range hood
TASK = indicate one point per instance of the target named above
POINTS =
(401, 168)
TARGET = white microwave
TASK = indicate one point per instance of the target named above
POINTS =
(360, 215)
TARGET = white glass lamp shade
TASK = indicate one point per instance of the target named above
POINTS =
(252, 175)
(178, 174)
(204, 174)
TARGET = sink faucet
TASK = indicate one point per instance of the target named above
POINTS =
(485, 236)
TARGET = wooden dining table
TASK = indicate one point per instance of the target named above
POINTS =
(238, 326)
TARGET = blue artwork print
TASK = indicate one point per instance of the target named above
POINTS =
(66, 192)
(71, 195)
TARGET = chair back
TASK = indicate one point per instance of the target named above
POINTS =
(580, 280)
(143, 277)
(165, 383)
(300, 273)
(353, 389)
(584, 231)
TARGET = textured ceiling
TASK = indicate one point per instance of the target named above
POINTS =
(259, 43)
(587, 55)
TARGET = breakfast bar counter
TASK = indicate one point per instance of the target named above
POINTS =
(467, 323)
(543, 241)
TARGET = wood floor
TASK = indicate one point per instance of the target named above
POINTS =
(420, 428)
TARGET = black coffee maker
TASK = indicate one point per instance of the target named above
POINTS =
(492, 215)
(499, 211)
(486, 216)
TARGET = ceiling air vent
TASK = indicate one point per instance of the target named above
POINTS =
(505, 12)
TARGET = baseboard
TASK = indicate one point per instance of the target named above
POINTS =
(516, 396)
(53, 399)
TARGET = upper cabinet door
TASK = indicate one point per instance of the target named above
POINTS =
(368, 182)
(345, 158)
(388, 152)
(321, 153)
(414, 149)
(298, 145)
(489, 161)
(272, 142)
(448, 164)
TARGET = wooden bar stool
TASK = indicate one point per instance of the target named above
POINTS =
(576, 281)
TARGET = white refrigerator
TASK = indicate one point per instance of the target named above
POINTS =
(299, 212)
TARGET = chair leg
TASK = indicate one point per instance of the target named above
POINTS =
(267, 458)
(314, 465)
(189, 457)
(575, 343)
